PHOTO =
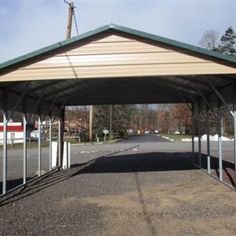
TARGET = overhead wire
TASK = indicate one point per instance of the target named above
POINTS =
(75, 21)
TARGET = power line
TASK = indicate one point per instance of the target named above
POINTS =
(76, 25)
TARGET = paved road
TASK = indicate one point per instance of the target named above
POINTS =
(127, 188)
(81, 153)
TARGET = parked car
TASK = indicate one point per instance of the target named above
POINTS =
(35, 134)
(177, 132)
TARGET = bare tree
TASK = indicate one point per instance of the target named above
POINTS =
(210, 39)
(181, 117)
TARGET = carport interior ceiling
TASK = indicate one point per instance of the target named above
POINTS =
(114, 65)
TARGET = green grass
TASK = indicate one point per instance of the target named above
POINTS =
(34, 144)
(176, 137)
(29, 145)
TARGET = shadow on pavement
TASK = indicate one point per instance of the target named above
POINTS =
(228, 168)
(143, 162)
(156, 161)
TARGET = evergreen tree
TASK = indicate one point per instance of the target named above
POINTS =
(121, 119)
(122, 115)
(100, 119)
(227, 44)
(228, 40)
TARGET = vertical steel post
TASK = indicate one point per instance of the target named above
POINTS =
(220, 146)
(61, 126)
(59, 142)
(4, 171)
(193, 132)
(208, 145)
(24, 149)
(68, 155)
(193, 129)
(199, 139)
(235, 138)
(39, 146)
(50, 143)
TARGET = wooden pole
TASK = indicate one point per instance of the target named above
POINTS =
(91, 124)
(110, 122)
(69, 20)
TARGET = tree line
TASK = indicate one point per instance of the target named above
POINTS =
(225, 44)
(135, 118)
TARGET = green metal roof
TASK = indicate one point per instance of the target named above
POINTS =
(155, 38)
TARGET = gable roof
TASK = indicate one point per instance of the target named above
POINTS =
(114, 65)
(158, 39)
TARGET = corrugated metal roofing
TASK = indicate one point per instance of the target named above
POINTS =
(156, 38)
(151, 88)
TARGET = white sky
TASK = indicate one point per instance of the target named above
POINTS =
(27, 25)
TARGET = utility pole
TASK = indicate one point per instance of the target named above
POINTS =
(110, 135)
(71, 8)
(90, 123)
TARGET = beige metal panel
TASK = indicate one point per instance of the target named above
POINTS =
(129, 58)
(113, 48)
(152, 70)
(119, 71)
(28, 77)
(205, 68)
(113, 38)
(117, 50)
(117, 59)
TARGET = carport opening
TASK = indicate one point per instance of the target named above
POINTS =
(178, 131)
(165, 128)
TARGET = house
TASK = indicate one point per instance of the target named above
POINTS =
(14, 132)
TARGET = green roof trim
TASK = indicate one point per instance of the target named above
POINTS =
(178, 44)
(155, 38)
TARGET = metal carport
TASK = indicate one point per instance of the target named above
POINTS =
(115, 65)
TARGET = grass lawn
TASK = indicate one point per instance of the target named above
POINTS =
(29, 145)
(34, 144)
(176, 137)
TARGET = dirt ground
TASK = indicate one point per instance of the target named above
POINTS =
(202, 207)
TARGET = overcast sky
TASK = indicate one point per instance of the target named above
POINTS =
(27, 25)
